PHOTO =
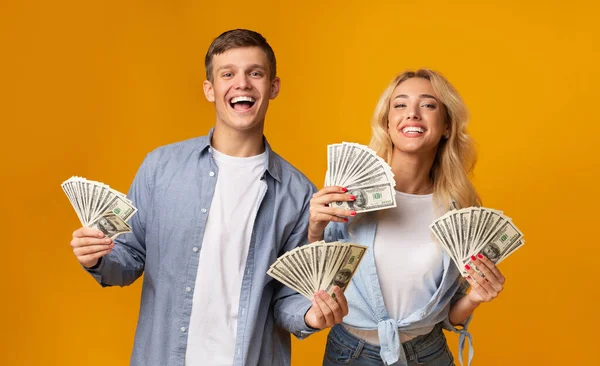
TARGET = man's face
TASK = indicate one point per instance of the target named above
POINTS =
(241, 88)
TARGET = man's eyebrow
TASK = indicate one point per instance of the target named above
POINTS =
(231, 66)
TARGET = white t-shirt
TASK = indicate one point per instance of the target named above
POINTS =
(213, 322)
(408, 259)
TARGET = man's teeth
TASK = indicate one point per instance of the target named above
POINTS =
(242, 99)
(413, 129)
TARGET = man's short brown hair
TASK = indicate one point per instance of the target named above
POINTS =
(238, 38)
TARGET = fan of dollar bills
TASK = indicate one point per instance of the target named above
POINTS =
(99, 206)
(318, 266)
(474, 230)
(366, 176)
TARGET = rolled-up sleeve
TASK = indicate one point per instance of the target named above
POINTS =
(290, 307)
(125, 263)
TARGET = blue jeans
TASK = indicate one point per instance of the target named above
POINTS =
(344, 348)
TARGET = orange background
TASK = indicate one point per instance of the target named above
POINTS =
(88, 88)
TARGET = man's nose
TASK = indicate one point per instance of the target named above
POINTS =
(241, 82)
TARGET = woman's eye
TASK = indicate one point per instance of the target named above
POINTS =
(429, 105)
(400, 106)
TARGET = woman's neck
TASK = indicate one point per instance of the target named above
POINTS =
(412, 172)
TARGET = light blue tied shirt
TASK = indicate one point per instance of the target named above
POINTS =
(365, 300)
(173, 191)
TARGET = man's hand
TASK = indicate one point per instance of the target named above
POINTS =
(326, 311)
(89, 245)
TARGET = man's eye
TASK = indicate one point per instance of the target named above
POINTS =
(255, 74)
(227, 75)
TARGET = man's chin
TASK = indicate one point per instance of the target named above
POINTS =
(244, 125)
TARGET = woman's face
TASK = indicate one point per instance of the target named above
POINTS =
(416, 120)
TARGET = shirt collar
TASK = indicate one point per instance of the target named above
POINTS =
(273, 164)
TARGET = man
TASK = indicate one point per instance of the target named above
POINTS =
(213, 213)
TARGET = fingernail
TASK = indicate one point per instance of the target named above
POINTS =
(479, 255)
(467, 267)
(107, 240)
(473, 258)
(344, 189)
(345, 219)
(100, 234)
(352, 198)
(353, 213)
(468, 277)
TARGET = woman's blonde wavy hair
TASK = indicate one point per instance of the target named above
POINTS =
(456, 155)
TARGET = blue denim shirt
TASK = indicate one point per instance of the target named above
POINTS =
(173, 190)
(365, 300)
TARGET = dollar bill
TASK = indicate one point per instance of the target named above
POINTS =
(369, 198)
(92, 201)
(346, 270)
(470, 231)
(318, 266)
(111, 225)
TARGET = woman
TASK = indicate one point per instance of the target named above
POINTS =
(406, 288)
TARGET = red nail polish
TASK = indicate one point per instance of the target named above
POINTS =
(345, 219)
(353, 213)
(344, 189)
(352, 198)
(473, 258)
(468, 277)
(479, 255)
(467, 267)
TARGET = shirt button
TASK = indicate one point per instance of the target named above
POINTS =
(212, 174)
(203, 210)
(195, 249)
(188, 289)
(243, 311)
(182, 329)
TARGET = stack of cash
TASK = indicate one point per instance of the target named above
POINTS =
(366, 176)
(477, 230)
(99, 206)
(318, 266)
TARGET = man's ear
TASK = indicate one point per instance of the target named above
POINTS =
(209, 92)
(275, 85)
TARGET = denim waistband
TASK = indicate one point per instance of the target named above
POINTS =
(411, 348)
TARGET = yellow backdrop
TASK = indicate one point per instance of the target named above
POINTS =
(88, 88)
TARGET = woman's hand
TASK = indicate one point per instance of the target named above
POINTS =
(321, 215)
(484, 289)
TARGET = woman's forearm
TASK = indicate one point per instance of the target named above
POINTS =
(461, 310)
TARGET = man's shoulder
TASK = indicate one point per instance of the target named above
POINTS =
(178, 149)
(292, 175)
